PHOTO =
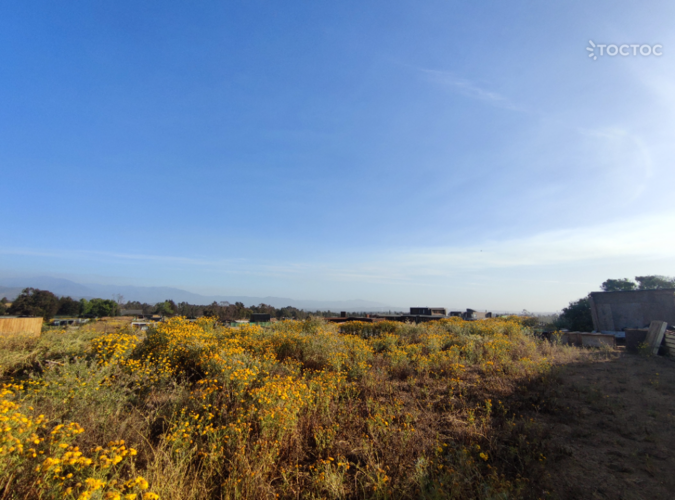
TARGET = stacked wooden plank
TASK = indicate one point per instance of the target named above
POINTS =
(669, 340)
(31, 326)
(657, 329)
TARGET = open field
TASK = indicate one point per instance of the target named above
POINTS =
(447, 409)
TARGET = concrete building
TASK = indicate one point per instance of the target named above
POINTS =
(616, 311)
(428, 311)
(481, 315)
(471, 314)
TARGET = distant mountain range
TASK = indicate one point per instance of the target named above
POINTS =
(11, 288)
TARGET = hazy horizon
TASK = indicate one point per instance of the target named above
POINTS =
(130, 293)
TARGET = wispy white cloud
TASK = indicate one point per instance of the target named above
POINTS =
(641, 238)
(103, 256)
(467, 88)
(624, 157)
(646, 237)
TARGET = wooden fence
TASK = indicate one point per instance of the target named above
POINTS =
(31, 326)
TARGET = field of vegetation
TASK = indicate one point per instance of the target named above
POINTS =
(300, 409)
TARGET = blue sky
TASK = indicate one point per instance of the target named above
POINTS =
(465, 154)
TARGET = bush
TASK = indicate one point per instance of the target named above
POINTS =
(577, 316)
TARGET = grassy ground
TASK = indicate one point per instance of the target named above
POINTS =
(447, 409)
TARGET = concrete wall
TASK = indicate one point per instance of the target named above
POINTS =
(482, 315)
(614, 311)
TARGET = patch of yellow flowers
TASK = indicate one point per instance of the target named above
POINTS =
(249, 387)
(29, 444)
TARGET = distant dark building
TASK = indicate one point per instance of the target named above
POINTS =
(482, 315)
(469, 314)
(419, 315)
(260, 318)
(428, 311)
(472, 314)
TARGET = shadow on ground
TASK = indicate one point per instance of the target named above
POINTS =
(609, 426)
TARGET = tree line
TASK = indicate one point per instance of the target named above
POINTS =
(35, 302)
(577, 316)
(223, 311)
(654, 282)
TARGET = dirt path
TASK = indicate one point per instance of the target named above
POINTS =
(612, 432)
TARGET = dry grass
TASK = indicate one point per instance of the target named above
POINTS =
(295, 410)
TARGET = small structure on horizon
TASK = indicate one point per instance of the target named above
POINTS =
(419, 315)
(470, 314)
(68, 321)
(428, 311)
(260, 318)
(142, 325)
(131, 312)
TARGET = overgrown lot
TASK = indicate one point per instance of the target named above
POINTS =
(296, 410)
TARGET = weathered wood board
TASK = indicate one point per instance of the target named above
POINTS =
(32, 326)
(655, 335)
(669, 339)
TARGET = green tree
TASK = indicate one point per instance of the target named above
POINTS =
(166, 308)
(34, 302)
(619, 285)
(189, 310)
(3, 306)
(146, 308)
(102, 307)
(654, 282)
(85, 307)
(577, 316)
(69, 307)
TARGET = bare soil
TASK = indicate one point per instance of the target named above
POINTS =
(609, 426)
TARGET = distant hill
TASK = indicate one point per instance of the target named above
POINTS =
(11, 287)
(58, 286)
(9, 292)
